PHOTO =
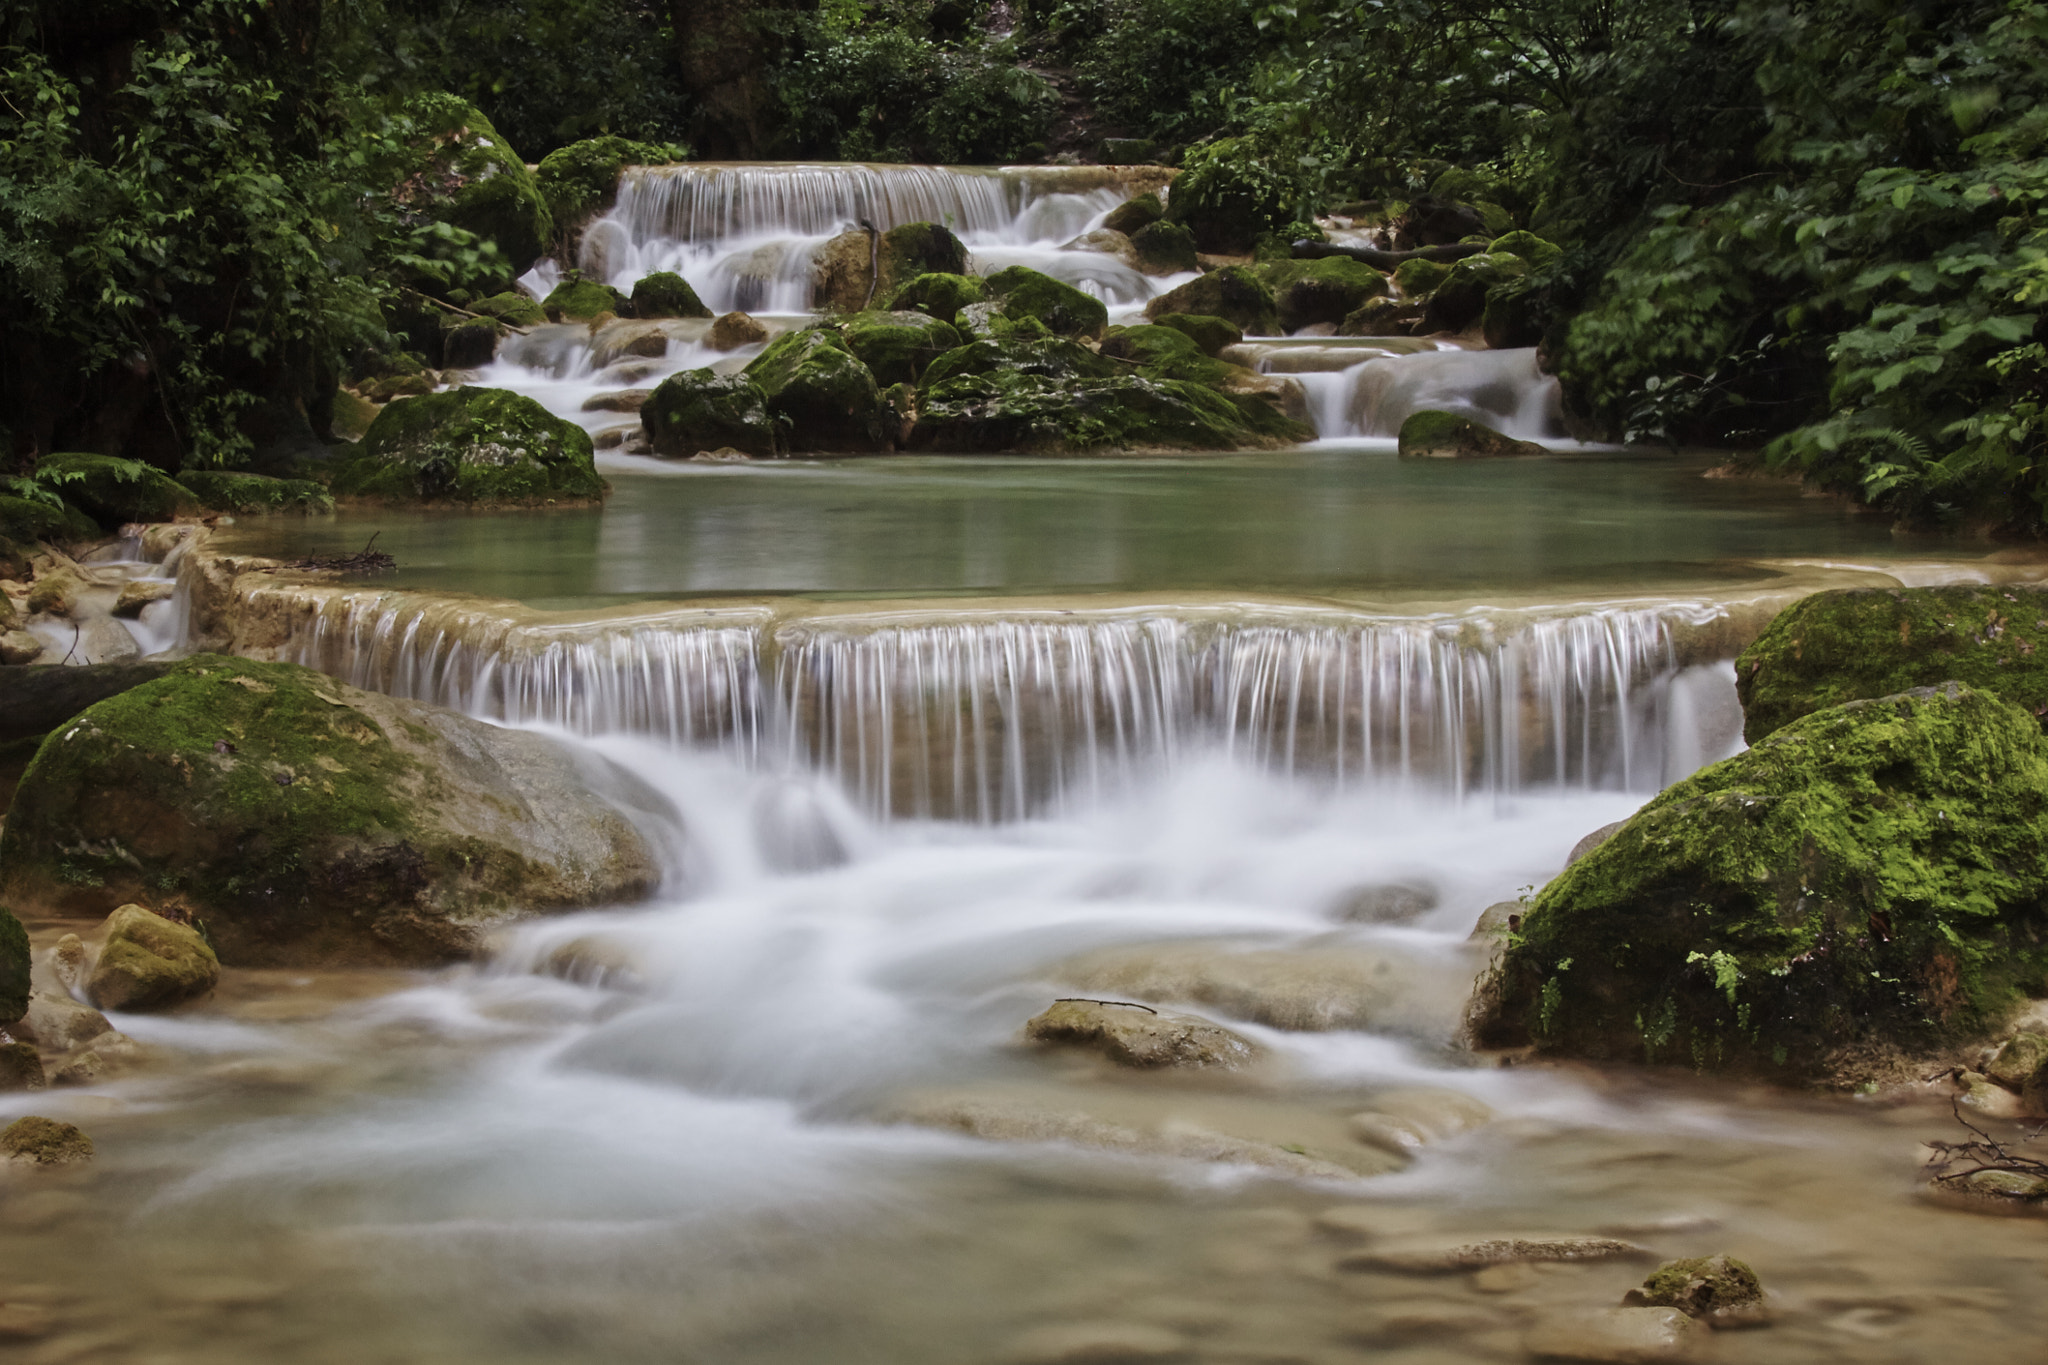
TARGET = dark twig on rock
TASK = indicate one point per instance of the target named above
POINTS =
(1090, 1000)
(365, 560)
(1985, 1153)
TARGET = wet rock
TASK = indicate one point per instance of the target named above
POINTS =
(1327, 290)
(665, 294)
(1064, 310)
(896, 347)
(1849, 645)
(1232, 293)
(18, 647)
(1005, 1121)
(1719, 1290)
(1137, 212)
(1497, 920)
(69, 962)
(843, 273)
(1981, 1096)
(102, 1059)
(1138, 1036)
(1383, 317)
(1389, 903)
(1402, 1121)
(1098, 1343)
(1460, 300)
(55, 594)
(819, 392)
(733, 330)
(1164, 249)
(1445, 1258)
(1008, 410)
(1163, 353)
(1210, 335)
(38, 1141)
(577, 299)
(102, 640)
(2005, 1192)
(910, 250)
(1622, 1336)
(148, 962)
(21, 1067)
(1308, 990)
(309, 822)
(940, 296)
(1791, 901)
(471, 445)
(1433, 435)
(2017, 1060)
(618, 400)
(57, 1023)
(698, 410)
(1592, 841)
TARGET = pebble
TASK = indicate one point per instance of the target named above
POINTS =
(1616, 1336)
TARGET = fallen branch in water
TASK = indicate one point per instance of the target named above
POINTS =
(1985, 1153)
(365, 560)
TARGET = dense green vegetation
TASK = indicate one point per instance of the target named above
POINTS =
(1806, 226)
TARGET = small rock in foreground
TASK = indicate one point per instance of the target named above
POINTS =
(44, 1142)
(1139, 1036)
(1622, 1336)
(1719, 1290)
(149, 962)
(21, 1068)
(1402, 1120)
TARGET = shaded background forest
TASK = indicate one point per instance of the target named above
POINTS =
(1809, 227)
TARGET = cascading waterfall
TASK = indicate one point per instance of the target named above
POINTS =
(1365, 390)
(997, 719)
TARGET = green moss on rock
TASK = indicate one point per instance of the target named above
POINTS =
(576, 299)
(1874, 875)
(697, 410)
(1163, 353)
(1209, 333)
(1527, 245)
(912, 249)
(1046, 357)
(941, 296)
(1719, 1289)
(112, 490)
(665, 294)
(819, 393)
(1064, 310)
(472, 445)
(511, 308)
(1850, 644)
(1013, 410)
(1460, 299)
(14, 967)
(225, 492)
(1233, 293)
(1227, 196)
(1135, 214)
(1164, 248)
(38, 1141)
(25, 522)
(307, 821)
(1433, 435)
(582, 178)
(148, 962)
(1326, 290)
(463, 173)
(1418, 278)
(896, 346)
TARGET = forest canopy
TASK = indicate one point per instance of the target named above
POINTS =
(1807, 227)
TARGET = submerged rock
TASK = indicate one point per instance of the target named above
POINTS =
(1401, 1121)
(115, 491)
(1139, 1036)
(1232, 293)
(1431, 435)
(698, 410)
(309, 822)
(1847, 645)
(38, 1141)
(1615, 1336)
(471, 445)
(1870, 874)
(148, 962)
(1719, 1290)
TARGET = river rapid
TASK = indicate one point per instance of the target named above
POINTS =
(941, 741)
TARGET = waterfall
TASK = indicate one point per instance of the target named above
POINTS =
(1368, 390)
(997, 718)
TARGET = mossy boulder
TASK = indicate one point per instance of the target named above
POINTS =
(1527, 245)
(819, 393)
(665, 294)
(1165, 248)
(114, 491)
(150, 962)
(1849, 644)
(1870, 877)
(226, 492)
(1227, 196)
(1134, 214)
(511, 308)
(1326, 290)
(697, 410)
(896, 346)
(1064, 310)
(913, 249)
(988, 322)
(582, 178)
(1719, 1289)
(14, 967)
(1211, 334)
(577, 299)
(462, 172)
(941, 296)
(1433, 435)
(1046, 357)
(36, 1141)
(1011, 410)
(1460, 299)
(470, 343)
(1163, 353)
(1233, 293)
(1418, 278)
(1383, 317)
(308, 822)
(26, 521)
(1139, 1036)
(472, 445)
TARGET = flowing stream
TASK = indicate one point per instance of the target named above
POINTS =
(942, 741)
